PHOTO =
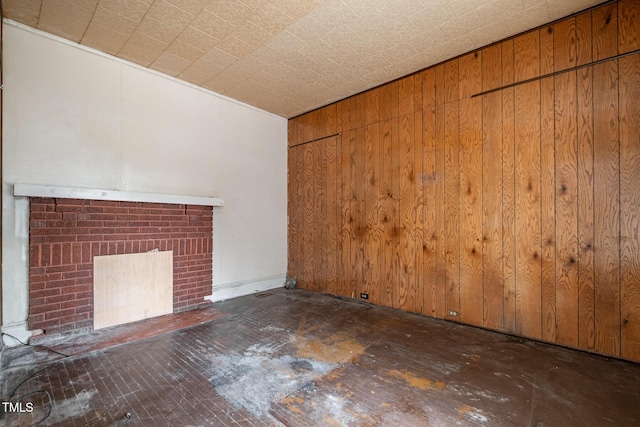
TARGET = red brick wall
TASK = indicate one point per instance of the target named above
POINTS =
(65, 235)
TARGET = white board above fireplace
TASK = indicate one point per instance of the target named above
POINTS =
(37, 190)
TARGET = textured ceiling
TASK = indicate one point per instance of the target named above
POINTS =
(287, 56)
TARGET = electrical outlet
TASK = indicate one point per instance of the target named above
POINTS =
(453, 313)
(364, 296)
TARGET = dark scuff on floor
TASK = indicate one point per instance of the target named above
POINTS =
(296, 358)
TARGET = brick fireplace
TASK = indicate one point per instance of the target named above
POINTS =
(65, 234)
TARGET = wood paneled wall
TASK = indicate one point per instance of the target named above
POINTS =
(517, 210)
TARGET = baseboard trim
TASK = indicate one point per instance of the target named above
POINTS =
(237, 289)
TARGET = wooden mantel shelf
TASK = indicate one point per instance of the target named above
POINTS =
(36, 190)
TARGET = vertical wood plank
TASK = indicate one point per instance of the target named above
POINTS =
(430, 181)
(629, 202)
(470, 70)
(548, 200)
(586, 313)
(292, 229)
(527, 210)
(440, 212)
(564, 44)
(348, 222)
(373, 244)
(318, 118)
(607, 207)
(340, 268)
(417, 232)
(405, 284)
(387, 212)
(526, 54)
(389, 100)
(471, 280)
(346, 114)
(372, 106)
(357, 119)
(604, 24)
(584, 37)
(332, 248)
(492, 227)
(306, 280)
(292, 131)
(359, 212)
(440, 203)
(306, 127)
(628, 25)
(319, 215)
(451, 81)
(508, 189)
(492, 68)
(452, 210)
(296, 211)
(566, 209)
(406, 95)
(546, 50)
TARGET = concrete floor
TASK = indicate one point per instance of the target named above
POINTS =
(296, 358)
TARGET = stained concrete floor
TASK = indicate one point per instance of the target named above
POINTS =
(296, 358)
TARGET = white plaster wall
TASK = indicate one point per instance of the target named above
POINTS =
(73, 117)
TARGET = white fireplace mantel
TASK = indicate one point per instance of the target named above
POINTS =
(36, 190)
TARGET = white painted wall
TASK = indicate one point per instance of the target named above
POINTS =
(74, 117)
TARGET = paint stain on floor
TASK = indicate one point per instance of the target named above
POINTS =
(417, 382)
(326, 347)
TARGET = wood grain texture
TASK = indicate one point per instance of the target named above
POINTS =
(538, 179)
(492, 67)
(372, 106)
(527, 209)
(292, 132)
(452, 209)
(410, 94)
(508, 206)
(306, 125)
(628, 25)
(470, 176)
(294, 231)
(332, 250)
(584, 39)
(492, 227)
(359, 212)
(629, 202)
(305, 280)
(417, 230)
(607, 208)
(388, 210)
(373, 248)
(526, 55)
(564, 44)
(604, 25)
(586, 290)
(405, 282)
(348, 258)
(389, 100)
(132, 287)
(546, 50)
(451, 81)
(566, 154)
(320, 216)
(429, 186)
(547, 208)
(470, 74)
